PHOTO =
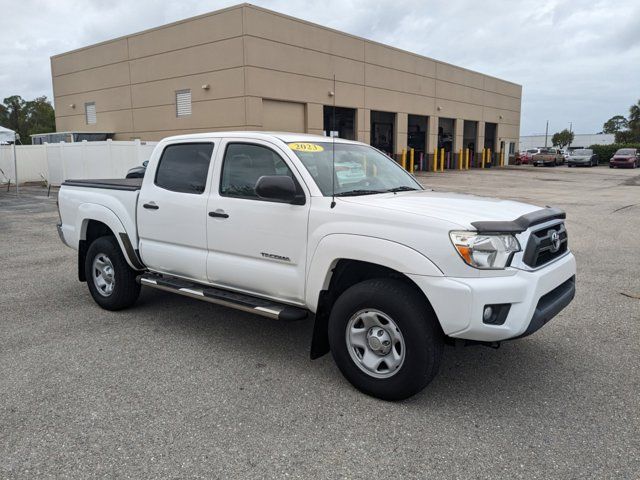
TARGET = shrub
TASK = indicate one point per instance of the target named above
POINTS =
(605, 152)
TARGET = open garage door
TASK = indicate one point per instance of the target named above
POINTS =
(382, 125)
(490, 130)
(339, 120)
(446, 132)
(417, 131)
(279, 116)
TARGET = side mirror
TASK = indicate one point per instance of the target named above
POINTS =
(278, 188)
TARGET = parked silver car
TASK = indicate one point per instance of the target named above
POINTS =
(582, 157)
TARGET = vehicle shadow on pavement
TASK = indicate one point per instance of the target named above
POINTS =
(524, 372)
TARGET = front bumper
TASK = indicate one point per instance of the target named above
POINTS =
(535, 297)
(550, 305)
(622, 163)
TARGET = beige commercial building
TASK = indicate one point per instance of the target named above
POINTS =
(247, 68)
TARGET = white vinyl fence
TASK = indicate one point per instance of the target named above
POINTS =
(32, 162)
(57, 162)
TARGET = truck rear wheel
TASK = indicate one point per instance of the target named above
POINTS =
(111, 281)
(385, 338)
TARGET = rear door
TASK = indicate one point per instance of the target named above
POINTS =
(172, 210)
(256, 245)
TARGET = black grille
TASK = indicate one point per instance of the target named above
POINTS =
(541, 249)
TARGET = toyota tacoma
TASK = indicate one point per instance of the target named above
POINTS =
(293, 226)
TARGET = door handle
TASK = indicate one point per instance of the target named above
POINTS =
(150, 206)
(219, 214)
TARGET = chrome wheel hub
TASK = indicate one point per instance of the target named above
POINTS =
(103, 274)
(379, 340)
(375, 343)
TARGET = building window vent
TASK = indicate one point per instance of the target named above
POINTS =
(90, 113)
(183, 103)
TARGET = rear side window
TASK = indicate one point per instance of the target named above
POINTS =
(184, 167)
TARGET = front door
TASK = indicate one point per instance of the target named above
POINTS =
(255, 245)
(172, 211)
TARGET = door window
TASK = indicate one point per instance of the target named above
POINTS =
(244, 164)
(184, 167)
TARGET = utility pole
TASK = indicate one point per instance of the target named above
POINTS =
(570, 130)
(546, 134)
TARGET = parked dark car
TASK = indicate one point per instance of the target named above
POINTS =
(625, 157)
(582, 157)
(138, 172)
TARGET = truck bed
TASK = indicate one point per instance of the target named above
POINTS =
(129, 184)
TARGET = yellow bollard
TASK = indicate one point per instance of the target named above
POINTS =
(442, 159)
(466, 159)
(460, 159)
(404, 158)
(489, 159)
(435, 159)
(484, 152)
(411, 160)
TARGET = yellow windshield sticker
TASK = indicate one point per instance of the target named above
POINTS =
(306, 147)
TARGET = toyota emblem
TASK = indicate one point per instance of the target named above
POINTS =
(555, 242)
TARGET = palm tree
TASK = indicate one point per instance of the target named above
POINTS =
(634, 117)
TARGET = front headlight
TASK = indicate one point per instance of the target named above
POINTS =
(486, 251)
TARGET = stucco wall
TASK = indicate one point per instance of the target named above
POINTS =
(245, 54)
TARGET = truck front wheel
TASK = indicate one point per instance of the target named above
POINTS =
(111, 281)
(385, 338)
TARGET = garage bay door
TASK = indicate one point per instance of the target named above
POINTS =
(280, 116)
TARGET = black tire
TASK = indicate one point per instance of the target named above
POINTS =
(125, 290)
(422, 336)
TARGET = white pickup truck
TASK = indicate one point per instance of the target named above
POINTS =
(291, 226)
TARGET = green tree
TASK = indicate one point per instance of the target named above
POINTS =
(615, 124)
(627, 137)
(562, 139)
(27, 117)
(41, 117)
(634, 118)
(626, 130)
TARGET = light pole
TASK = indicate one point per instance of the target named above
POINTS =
(570, 131)
(546, 134)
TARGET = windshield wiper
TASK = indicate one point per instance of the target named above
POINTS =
(404, 188)
(353, 193)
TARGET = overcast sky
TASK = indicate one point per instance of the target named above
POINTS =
(578, 61)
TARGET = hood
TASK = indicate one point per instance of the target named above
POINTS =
(623, 157)
(455, 208)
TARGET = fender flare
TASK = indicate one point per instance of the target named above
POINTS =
(386, 253)
(100, 213)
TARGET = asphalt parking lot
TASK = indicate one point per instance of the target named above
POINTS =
(176, 388)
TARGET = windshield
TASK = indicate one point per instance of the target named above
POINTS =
(581, 151)
(626, 151)
(359, 169)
